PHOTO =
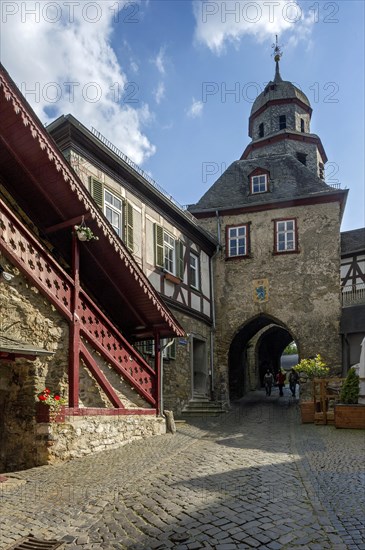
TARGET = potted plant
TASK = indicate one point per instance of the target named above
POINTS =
(308, 369)
(348, 412)
(50, 407)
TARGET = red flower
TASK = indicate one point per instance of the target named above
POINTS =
(57, 397)
(42, 397)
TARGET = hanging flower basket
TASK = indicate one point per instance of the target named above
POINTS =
(84, 233)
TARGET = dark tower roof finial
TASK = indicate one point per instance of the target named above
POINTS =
(277, 55)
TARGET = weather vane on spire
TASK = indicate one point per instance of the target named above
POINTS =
(277, 50)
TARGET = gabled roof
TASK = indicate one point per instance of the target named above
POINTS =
(38, 177)
(70, 133)
(289, 181)
(353, 241)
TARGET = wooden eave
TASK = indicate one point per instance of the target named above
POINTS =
(339, 195)
(70, 134)
(284, 135)
(38, 177)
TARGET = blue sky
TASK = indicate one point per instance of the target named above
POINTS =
(154, 77)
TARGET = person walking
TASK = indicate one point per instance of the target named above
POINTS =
(268, 382)
(280, 380)
(293, 381)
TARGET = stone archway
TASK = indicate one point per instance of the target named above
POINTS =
(257, 345)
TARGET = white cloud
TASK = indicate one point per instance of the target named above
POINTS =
(228, 21)
(160, 61)
(159, 93)
(63, 62)
(196, 109)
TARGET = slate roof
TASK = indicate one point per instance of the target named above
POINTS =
(353, 241)
(289, 179)
(282, 90)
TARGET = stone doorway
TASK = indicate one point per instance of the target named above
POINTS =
(200, 373)
(256, 347)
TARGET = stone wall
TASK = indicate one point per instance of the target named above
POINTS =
(83, 435)
(26, 315)
(177, 373)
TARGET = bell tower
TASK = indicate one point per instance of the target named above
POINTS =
(279, 123)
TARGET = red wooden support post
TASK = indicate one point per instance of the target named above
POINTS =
(158, 393)
(74, 342)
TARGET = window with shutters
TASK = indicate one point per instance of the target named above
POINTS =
(118, 212)
(113, 211)
(169, 252)
(194, 271)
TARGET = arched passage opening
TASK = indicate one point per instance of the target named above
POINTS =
(256, 347)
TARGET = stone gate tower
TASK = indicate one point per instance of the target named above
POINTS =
(276, 274)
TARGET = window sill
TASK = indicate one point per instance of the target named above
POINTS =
(243, 257)
(172, 278)
(283, 252)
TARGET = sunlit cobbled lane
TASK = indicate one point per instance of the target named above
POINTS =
(253, 478)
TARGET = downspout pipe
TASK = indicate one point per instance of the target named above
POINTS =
(212, 332)
(162, 349)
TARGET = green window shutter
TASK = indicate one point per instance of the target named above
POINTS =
(124, 221)
(129, 226)
(179, 259)
(97, 191)
(159, 259)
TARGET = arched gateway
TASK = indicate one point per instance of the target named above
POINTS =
(257, 345)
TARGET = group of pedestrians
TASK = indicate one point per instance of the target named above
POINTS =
(280, 381)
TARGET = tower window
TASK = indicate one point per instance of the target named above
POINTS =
(302, 129)
(302, 157)
(285, 236)
(282, 122)
(321, 170)
(261, 130)
(238, 240)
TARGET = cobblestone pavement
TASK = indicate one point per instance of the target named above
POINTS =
(255, 478)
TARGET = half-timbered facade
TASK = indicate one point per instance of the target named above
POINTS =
(353, 295)
(71, 310)
(168, 245)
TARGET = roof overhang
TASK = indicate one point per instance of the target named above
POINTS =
(11, 349)
(39, 179)
(282, 136)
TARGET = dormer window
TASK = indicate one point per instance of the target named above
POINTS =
(259, 184)
(261, 130)
(302, 128)
(282, 122)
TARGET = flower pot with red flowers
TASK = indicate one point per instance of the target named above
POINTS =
(50, 407)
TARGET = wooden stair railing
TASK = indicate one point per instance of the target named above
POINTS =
(23, 249)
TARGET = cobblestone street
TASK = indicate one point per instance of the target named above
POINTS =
(255, 478)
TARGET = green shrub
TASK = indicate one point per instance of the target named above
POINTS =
(350, 389)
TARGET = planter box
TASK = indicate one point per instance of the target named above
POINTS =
(307, 412)
(350, 416)
(43, 414)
